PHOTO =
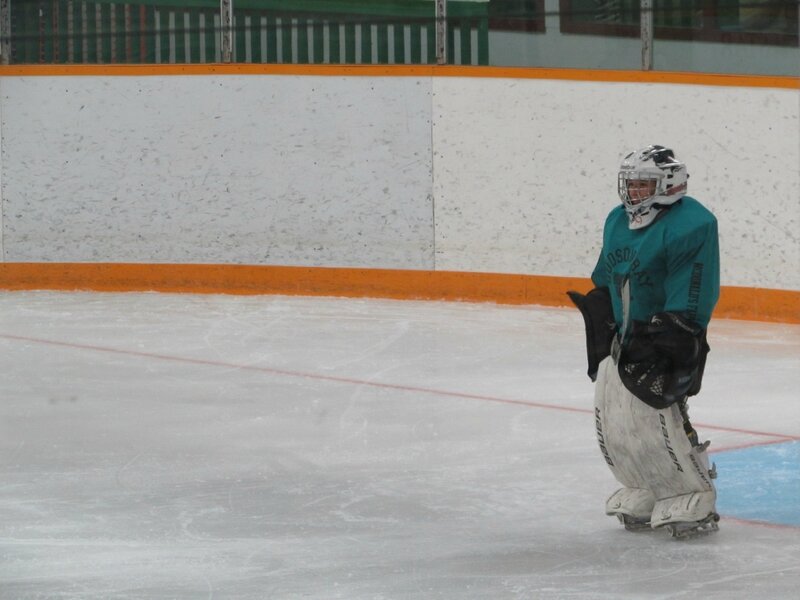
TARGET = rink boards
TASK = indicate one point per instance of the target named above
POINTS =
(414, 169)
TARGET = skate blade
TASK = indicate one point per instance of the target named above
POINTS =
(683, 531)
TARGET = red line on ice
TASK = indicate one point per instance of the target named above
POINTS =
(351, 381)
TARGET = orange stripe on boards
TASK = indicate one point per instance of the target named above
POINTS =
(759, 304)
(306, 281)
(756, 304)
(599, 75)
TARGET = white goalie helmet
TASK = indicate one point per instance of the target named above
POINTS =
(650, 179)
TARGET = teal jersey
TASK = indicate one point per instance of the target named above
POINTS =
(671, 265)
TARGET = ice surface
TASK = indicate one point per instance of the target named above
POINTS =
(180, 446)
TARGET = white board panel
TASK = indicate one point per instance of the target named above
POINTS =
(463, 174)
(525, 171)
(319, 171)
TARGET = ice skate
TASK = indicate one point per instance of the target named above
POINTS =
(694, 529)
(636, 525)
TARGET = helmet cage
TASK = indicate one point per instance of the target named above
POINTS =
(641, 203)
(654, 163)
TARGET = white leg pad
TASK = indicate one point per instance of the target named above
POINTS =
(634, 502)
(688, 508)
(648, 449)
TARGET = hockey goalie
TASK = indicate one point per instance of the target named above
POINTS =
(656, 284)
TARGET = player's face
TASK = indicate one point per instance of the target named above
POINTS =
(640, 189)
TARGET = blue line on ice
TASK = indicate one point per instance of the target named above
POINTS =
(760, 483)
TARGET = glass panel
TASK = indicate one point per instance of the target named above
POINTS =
(718, 36)
(685, 14)
(731, 36)
(516, 15)
(604, 12)
(765, 16)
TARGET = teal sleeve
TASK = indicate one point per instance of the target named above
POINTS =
(599, 275)
(692, 283)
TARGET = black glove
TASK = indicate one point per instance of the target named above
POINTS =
(676, 337)
(664, 359)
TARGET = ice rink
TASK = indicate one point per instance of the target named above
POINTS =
(159, 446)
